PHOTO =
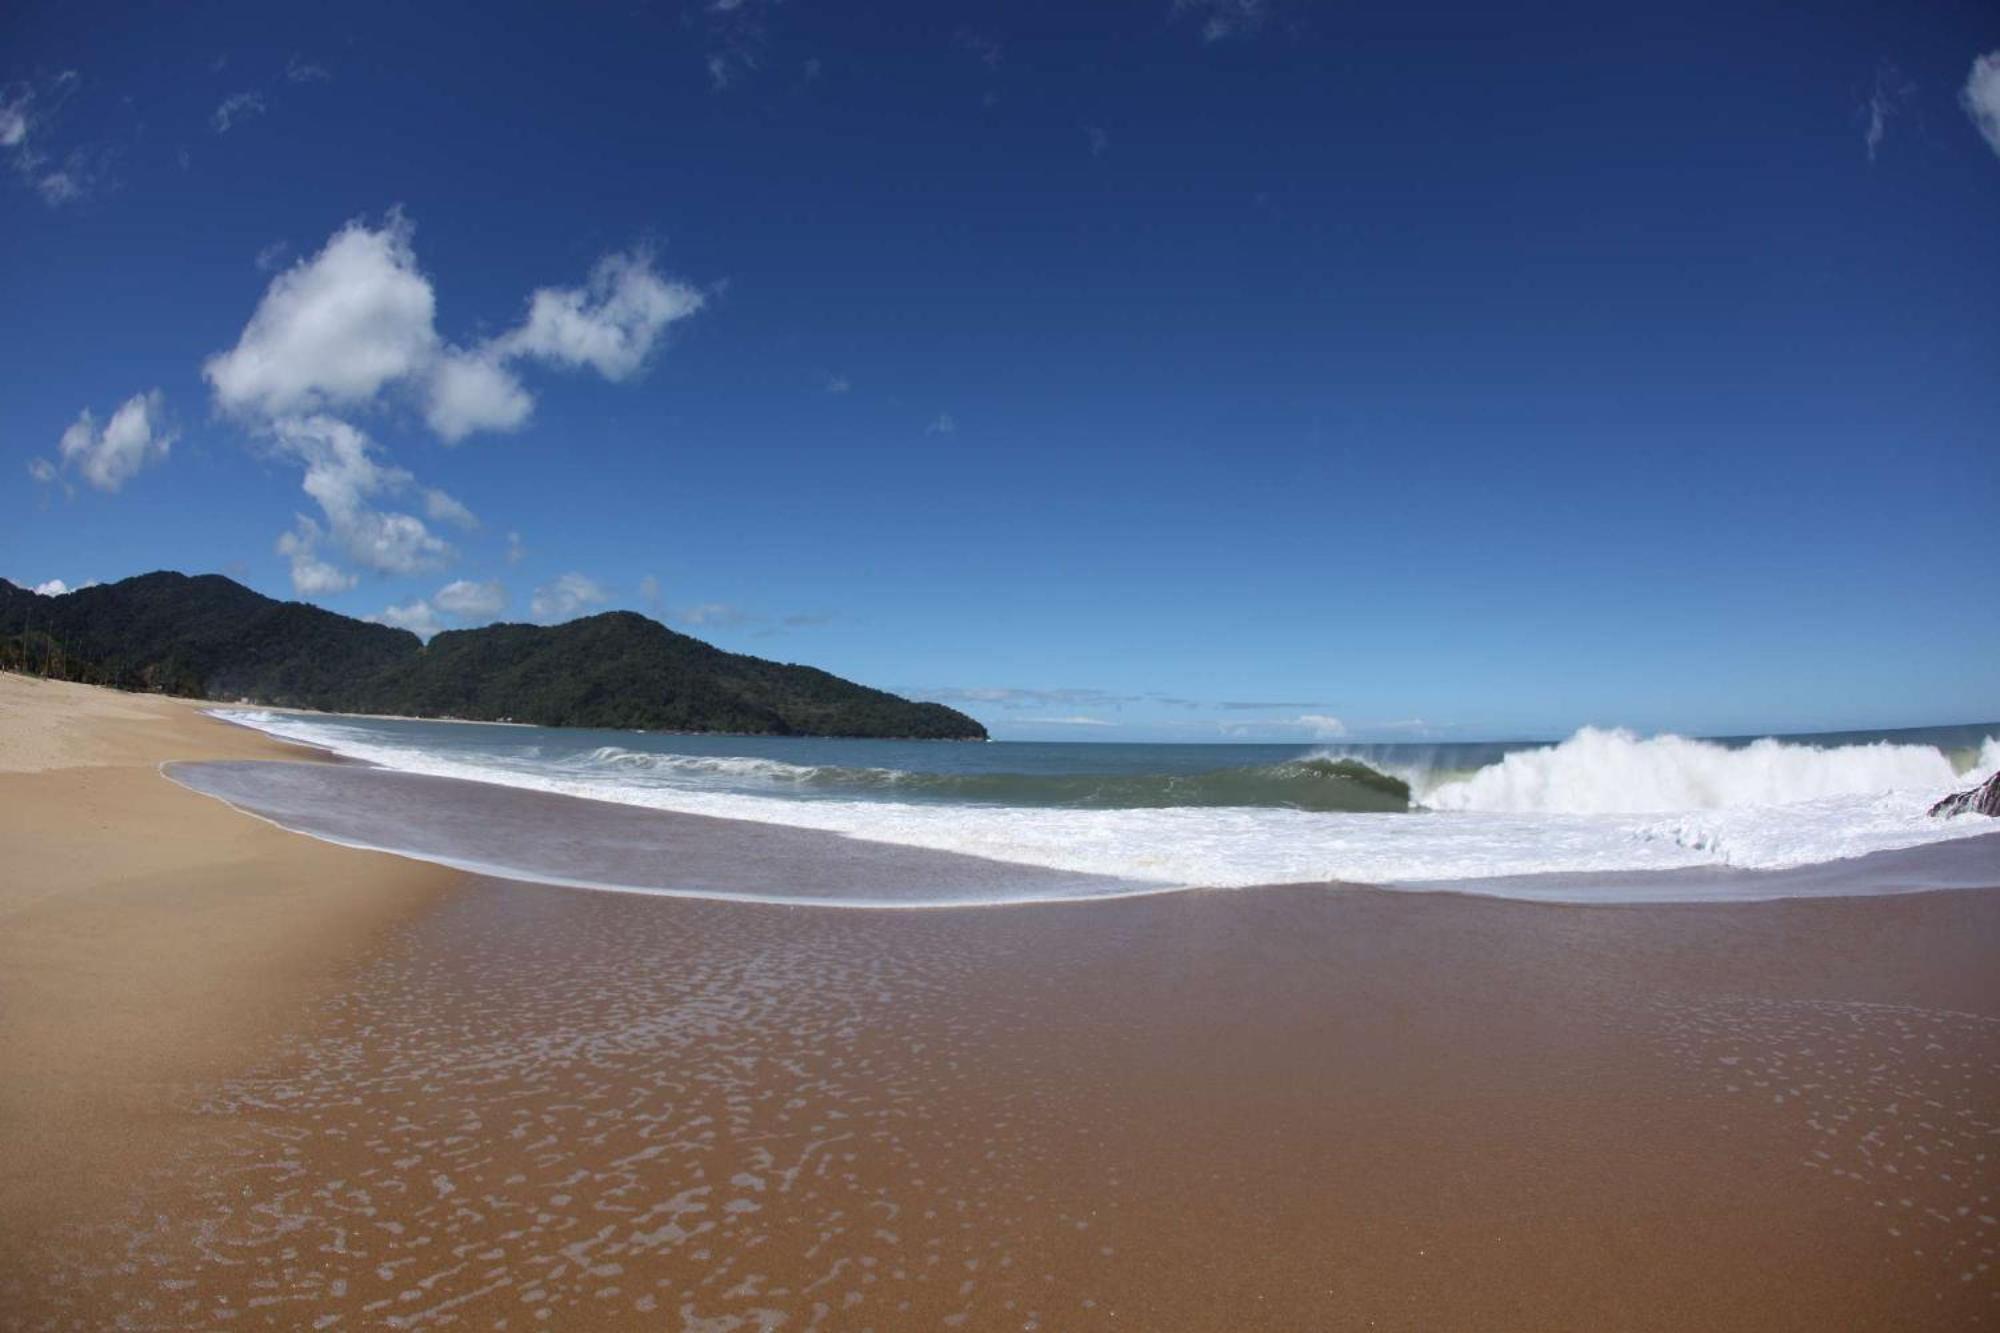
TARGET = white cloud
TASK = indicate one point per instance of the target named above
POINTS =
(301, 71)
(417, 617)
(1317, 726)
(1981, 97)
(1885, 101)
(942, 424)
(442, 508)
(344, 476)
(609, 324)
(358, 319)
(64, 185)
(42, 470)
(471, 601)
(27, 112)
(332, 330)
(1222, 19)
(53, 588)
(14, 118)
(471, 391)
(235, 110)
(311, 576)
(272, 255)
(717, 614)
(135, 436)
(569, 596)
(836, 383)
(1077, 721)
(736, 37)
(515, 549)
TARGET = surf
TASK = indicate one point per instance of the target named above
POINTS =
(1614, 771)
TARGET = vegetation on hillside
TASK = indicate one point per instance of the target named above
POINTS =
(210, 637)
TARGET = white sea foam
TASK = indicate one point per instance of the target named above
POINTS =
(1740, 817)
(1616, 772)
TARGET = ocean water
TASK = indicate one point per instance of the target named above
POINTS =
(1600, 816)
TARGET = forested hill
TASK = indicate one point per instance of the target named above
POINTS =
(210, 637)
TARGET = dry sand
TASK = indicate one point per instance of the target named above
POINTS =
(150, 940)
(518, 1106)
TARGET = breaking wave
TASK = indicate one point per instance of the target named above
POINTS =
(1599, 803)
(1609, 772)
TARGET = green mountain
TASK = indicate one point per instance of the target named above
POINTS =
(210, 637)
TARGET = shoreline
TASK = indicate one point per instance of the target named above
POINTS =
(593, 842)
(276, 1081)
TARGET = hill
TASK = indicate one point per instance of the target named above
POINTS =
(211, 637)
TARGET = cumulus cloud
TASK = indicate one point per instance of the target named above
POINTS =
(353, 328)
(473, 391)
(135, 436)
(442, 508)
(610, 324)
(1981, 97)
(570, 595)
(462, 600)
(356, 321)
(332, 330)
(311, 576)
(53, 588)
(471, 601)
(345, 476)
(235, 110)
(416, 617)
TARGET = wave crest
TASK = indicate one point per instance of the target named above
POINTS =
(1618, 772)
(1328, 783)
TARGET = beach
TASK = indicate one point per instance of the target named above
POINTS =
(254, 1078)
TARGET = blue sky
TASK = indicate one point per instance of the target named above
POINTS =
(1237, 369)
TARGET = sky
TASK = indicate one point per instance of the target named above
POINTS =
(1180, 370)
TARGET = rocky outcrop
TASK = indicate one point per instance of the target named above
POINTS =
(1981, 800)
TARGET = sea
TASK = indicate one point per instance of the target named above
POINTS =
(1603, 816)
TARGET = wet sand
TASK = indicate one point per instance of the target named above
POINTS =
(1313, 1107)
